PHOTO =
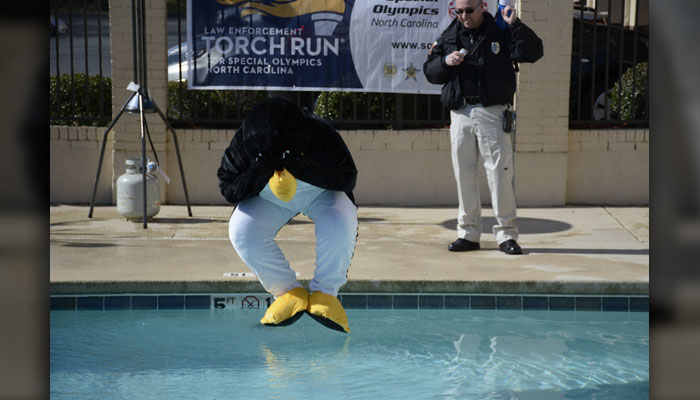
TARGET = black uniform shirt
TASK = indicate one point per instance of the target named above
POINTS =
(468, 71)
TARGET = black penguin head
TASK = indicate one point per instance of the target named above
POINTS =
(277, 125)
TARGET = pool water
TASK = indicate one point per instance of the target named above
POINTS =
(389, 354)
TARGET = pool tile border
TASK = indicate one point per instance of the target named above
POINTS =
(357, 301)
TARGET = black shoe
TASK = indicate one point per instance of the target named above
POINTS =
(463, 245)
(510, 247)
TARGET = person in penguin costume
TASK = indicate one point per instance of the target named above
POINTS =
(283, 161)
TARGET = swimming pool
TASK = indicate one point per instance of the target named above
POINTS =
(393, 353)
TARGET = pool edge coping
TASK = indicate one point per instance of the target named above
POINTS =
(598, 288)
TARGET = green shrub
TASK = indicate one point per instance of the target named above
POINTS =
(214, 108)
(184, 104)
(80, 100)
(172, 7)
(341, 106)
(381, 110)
(631, 91)
(205, 107)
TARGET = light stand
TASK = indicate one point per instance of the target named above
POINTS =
(140, 102)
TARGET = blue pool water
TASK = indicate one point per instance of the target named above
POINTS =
(390, 354)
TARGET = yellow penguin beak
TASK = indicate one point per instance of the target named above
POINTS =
(283, 185)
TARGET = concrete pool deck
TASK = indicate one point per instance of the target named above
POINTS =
(567, 250)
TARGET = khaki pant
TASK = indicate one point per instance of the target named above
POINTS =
(479, 130)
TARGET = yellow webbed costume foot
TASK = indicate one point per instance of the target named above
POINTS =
(327, 310)
(287, 309)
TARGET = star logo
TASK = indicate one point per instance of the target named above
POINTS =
(411, 72)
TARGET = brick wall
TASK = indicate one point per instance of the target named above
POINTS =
(610, 140)
(394, 167)
(543, 87)
(201, 151)
(75, 153)
(403, 167)
(608, 167)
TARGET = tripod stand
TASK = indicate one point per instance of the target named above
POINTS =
(140, 102)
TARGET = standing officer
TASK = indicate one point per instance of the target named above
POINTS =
(478, 87)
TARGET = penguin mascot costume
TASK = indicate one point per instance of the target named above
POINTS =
(283, 161)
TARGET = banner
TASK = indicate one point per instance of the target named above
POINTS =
(364, 45)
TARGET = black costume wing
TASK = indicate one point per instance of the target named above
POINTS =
(241, 174)
(327, 162)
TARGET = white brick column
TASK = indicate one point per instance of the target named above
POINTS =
(542, 106)
(127, 132)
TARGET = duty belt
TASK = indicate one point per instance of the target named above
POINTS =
(471, 100)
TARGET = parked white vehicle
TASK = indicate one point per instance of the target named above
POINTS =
(178, 60)
(59, 27)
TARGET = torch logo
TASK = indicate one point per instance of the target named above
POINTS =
(324, 13)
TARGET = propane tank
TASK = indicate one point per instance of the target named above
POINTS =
(130, 192)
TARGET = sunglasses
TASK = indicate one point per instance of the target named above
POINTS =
(467, 10)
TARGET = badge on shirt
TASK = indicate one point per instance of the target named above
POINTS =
(495, 47)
